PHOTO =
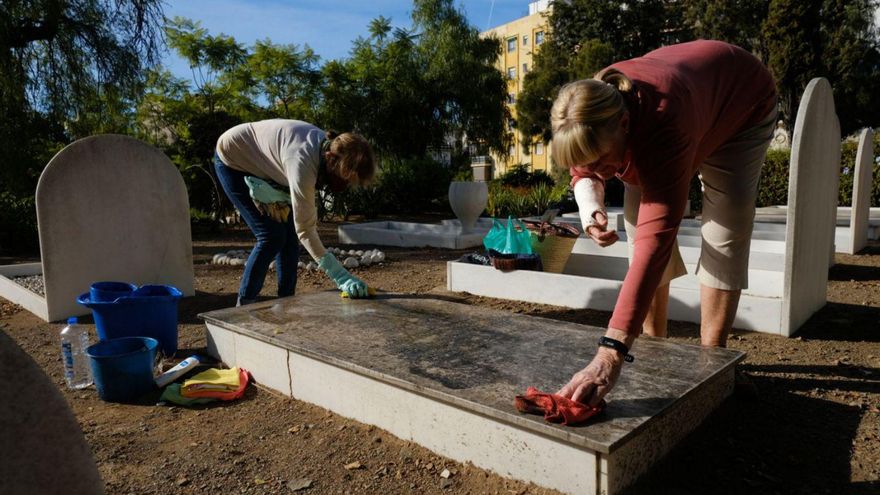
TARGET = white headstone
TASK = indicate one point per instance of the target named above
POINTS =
(812, 205)
(861, 195)
(111, 207)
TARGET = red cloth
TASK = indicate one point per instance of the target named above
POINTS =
(690, 99)
(555, 408)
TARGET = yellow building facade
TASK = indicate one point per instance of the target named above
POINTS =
(520, 40)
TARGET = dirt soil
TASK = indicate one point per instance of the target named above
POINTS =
(810, 422)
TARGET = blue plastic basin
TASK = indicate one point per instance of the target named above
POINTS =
(123, 368)
(110, 291)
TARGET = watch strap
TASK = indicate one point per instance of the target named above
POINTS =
(617, 346)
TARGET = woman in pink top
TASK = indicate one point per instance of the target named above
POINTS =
(703, 107)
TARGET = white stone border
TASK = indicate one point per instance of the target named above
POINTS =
(759, 313)
(411, 234)
(20, 295)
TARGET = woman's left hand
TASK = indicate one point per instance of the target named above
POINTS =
(592, 383)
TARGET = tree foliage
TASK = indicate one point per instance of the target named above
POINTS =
(405, 90)
(736, 22)
(68, 69)
(798, 40)
(586, 36)
(287, 76)
(54, 54)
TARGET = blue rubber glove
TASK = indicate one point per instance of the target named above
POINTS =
(344, 280)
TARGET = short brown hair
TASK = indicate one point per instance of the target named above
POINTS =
(353, 156)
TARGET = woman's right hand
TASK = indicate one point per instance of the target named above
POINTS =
(344, 280)
(599, 231)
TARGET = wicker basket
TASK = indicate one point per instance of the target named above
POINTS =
(553, 242)
(510, 262)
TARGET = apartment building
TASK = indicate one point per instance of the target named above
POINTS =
(521, 39)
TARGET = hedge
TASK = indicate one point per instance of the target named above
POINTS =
(773, 186)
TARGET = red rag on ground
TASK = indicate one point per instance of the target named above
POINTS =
(556, 408)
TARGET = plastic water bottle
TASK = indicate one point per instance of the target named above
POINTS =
(74, 341)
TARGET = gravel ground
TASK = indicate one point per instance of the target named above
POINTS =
(33, 283)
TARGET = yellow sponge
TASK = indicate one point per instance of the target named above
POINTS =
(370, 293)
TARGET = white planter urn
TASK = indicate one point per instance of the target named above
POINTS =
(468, 200)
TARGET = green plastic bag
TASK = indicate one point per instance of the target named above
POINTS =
(513, 238)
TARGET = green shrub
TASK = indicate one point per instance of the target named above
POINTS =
(848, 153)
(464, 176)
(367, 201)
(519, 176)
(413, 186)
(505, 200)
(403, 186)
(539, 198)
(526, 201)
(773, 184)
(18, 224)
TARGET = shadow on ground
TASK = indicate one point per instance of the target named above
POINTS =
(784, 441)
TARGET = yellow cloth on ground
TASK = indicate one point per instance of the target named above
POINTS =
(213, 379)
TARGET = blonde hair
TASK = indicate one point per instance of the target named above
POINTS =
(585, 115)
(353, 156)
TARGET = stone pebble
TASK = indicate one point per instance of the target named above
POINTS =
(350, 258)
(33, 283)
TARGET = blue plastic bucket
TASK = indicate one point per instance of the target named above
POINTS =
(123, 368)
(110, 291)
(149, 311)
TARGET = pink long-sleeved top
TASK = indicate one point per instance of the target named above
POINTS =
(689, 99)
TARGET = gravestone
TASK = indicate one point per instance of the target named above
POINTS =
(111, 207)
(812, 205)
(43, 448)
(861, 194)
(444, 375)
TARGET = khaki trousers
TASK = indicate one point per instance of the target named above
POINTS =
(730, 187)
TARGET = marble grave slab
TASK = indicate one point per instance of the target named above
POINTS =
(444, 375)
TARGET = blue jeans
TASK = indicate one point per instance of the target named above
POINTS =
(275, 240)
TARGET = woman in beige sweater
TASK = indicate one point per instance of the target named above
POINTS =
(300, 157)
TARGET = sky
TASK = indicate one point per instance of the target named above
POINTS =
(328, 26)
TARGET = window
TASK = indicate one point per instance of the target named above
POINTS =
(512, 150)
(511, 124)
(539, 149)
(525, 40)
(525, 69)
(511, 44)
(511, 98)
(511, 72)
(539, 38)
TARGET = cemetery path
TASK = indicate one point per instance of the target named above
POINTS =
(811, 425)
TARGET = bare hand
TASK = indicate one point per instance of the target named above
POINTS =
(592, 383)
(599, 231)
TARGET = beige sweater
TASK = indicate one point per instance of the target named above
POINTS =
(287, 152)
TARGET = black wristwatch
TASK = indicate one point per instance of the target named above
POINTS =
(617, 346)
